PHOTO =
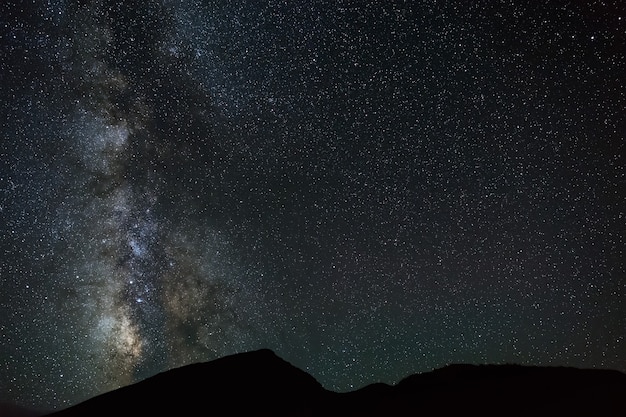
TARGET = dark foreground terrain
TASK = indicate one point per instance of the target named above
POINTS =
(261, 384)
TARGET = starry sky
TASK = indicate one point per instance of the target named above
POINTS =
(369, 188)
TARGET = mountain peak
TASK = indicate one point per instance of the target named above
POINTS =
(233, 385)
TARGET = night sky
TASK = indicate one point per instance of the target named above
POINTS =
(369, 188)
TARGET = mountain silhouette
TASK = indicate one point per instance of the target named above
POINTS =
(260, 383)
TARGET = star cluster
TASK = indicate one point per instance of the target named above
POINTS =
(369, 188)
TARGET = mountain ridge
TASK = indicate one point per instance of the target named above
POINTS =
(262, 384)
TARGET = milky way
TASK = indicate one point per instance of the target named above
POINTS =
(369, 188)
